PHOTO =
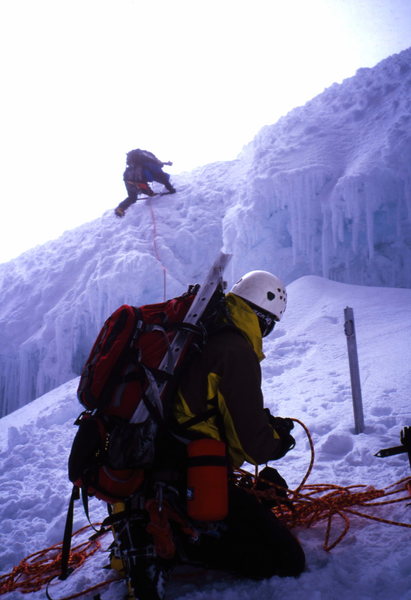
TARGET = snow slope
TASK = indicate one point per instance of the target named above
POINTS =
(306, 376)
(324, 191)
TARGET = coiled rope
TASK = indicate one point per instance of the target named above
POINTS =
(302, 507)
(37, 570)
(310, 504)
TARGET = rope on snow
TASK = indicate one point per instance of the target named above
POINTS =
(38, 569)
(309, 504)
(302, 507)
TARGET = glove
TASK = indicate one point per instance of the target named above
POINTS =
(282, 428)
(270, 477)
(270, 480)
(281, 424)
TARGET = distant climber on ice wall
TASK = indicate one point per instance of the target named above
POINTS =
(142, 166)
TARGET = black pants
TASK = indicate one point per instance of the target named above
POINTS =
(255, 545)
(133, 191)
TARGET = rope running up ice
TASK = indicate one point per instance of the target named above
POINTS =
(156, 252)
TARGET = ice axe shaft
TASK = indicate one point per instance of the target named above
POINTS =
(390, 451)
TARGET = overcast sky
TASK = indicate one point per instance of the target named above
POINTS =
(83, 81)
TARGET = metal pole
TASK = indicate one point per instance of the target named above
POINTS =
(349, 329)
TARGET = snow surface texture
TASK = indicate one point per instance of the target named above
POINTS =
(325, 191)
(306, 376)
(332, 182)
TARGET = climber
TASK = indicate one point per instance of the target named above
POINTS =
(226, 376)
(216, 399)
(142, 167)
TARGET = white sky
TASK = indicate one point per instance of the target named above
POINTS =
(83, 81)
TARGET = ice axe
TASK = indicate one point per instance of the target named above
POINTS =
(405, 438)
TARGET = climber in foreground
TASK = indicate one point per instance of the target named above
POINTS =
(142, 167)
(167, 459)
(225, 379)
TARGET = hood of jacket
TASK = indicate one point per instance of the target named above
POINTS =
(245, 319)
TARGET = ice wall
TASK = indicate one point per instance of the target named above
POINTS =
(56, 297)
(325, 191)
(329, 185)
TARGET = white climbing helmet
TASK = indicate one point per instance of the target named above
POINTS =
(264, 290)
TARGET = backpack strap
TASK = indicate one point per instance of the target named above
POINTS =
(211, 412)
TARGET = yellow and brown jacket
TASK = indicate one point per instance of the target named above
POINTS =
(227, 375)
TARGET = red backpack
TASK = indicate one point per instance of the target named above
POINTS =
(127, 386)
(109, 453)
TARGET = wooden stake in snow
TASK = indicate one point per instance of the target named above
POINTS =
(349, 329)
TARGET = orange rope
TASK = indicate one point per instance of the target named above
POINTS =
(37, 570)
(325, 502)
(303, 507)
(310, 441)
(309, 504)
(156, 253)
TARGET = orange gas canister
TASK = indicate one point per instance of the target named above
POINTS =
(207, 484)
